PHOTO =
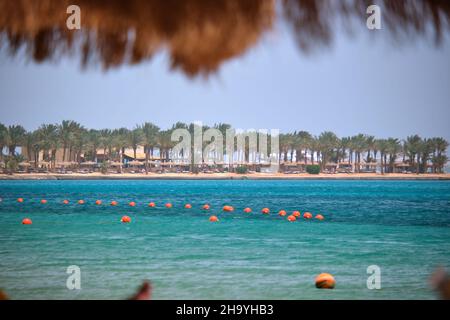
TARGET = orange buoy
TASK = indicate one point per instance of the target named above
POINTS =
(282, 213)
(98, 202)
(132, 204)
(296, 214)
(228, 208)
(206, 207)
(66, 201)
(213, 219)
(307, 215)
(319, 217)
(168, 205)
(247, 210)
(80, 201)
(265, 211)
(187, 206)
(151, 204)
(20, 200)
(126, 219)
(114, 203)
(325, 281)
(27, 221)
(291, 218)
(43, 201)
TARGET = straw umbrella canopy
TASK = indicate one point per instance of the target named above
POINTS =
(88, 163)
(115, 163)
(24, 164)
(135, 163)
(64, 163)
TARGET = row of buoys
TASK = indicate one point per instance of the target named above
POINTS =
(227, 208)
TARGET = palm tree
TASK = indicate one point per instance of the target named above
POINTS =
(121, 142)
(106, 142)
(371, 145)
(439, 158)
(165, 143)
(284, 147)
(303, 142)
(359, 146)
(426, 150)
(328, 142)
(14, 137)
(49, 139)
(81, 143)
(412, 147)
(94, 142)
(135, 139)
(67, 130)
(394, 148)
(3, 139)
(342, 150)
(382, 145)
(150, 140)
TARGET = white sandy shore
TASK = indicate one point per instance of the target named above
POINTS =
(224, 176)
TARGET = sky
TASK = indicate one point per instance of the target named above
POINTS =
(361, 84)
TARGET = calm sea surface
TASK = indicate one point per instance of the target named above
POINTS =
(401, 226)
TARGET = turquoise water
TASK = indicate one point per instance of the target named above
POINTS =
(401, 226)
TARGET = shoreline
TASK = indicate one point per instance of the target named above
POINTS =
(224, 176)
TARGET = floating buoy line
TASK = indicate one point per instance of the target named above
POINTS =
(294, 216)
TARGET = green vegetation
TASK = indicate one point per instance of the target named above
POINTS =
(241, 170)
(81, 144)
(313, 168)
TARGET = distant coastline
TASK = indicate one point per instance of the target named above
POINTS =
(225, 176)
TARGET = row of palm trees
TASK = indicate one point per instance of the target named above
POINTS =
(327, 147)
(79, 143)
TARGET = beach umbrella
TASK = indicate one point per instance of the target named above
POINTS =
(135, 163)
(114, 163)
(88, 163)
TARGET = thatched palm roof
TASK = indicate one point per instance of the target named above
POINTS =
(198, 35)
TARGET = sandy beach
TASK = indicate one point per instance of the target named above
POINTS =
(224, 176)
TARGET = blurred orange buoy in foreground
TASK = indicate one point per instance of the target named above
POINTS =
(206, 207)
(319, 217)
(187, 206)
(307, 215)
(151, 204)
(20, 200)
(325, 281)
(228, 208)
(265, 211)
(114, 203)
(168, 205)
(80, 201)
(98, 202)
(126, 219)
(27, 221)
(132, 204)
(296, 214)
(247, 210)
(291, 218)
(43, 201)
(66, 201)
(213, 219)
(282, 213)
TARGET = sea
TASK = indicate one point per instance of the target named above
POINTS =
(391, 233)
